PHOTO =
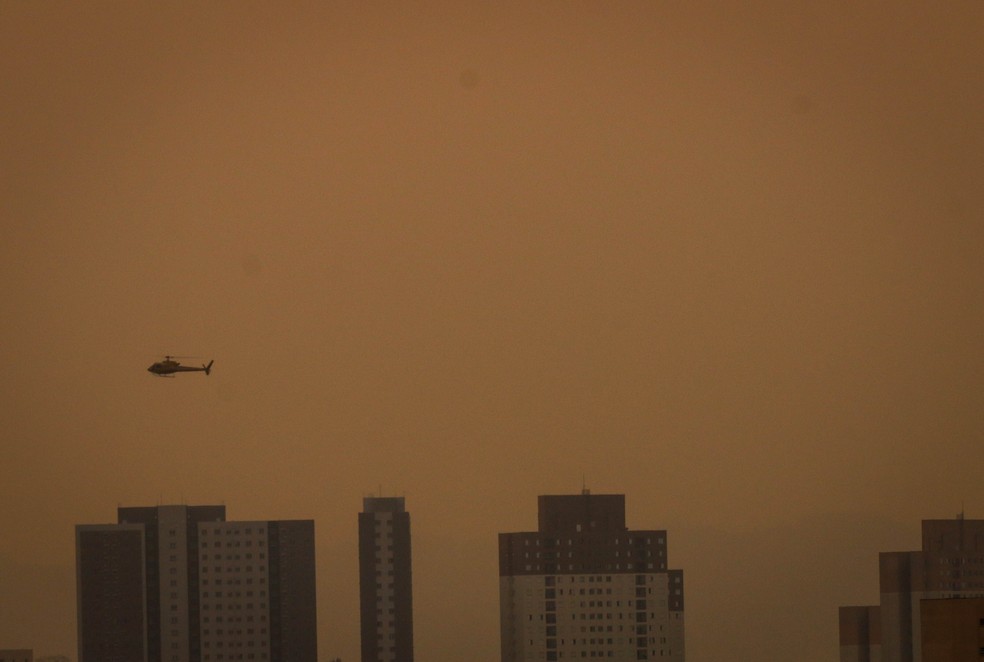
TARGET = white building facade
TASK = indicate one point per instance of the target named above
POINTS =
(585, 587)
(181, 584)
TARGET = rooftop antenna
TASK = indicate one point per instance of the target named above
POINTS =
(584, 486)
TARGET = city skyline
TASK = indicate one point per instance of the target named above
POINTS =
(875, 531)
(931, 601)
(724, 258)
(176, 583)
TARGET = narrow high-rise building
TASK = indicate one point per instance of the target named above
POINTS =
(931, 602)
(181, 584)
(385, 583)
(585, 586)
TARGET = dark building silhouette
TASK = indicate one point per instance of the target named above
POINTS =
(585, 586)
(181, 584)
(931, 601)
(385, 586)
(860, 634)
(111, 593)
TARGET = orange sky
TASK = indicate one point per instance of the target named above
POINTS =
(726, 261)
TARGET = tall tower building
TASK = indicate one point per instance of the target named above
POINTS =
(930, 600)
(585, 586)
(181, 584)
(385, 586)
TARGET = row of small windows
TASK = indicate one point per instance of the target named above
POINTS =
(617, 566)
(233, 582)
(607, 603)
(570, 541)
(641, 653)
(551, 619)
(550, 593)
(220, 631)
(231, 594)
(234, 644)
(230, 619)
(551, 580)
(581, 591)
(232, 557)
(640, 642)
(248, 605)
(961, 572)
(552, 628)
(639, 629)
(639, 616)
(231, 531)
(570, 555)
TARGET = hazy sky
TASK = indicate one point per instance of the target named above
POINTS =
(722, 257)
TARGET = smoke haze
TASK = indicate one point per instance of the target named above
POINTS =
(723, 260)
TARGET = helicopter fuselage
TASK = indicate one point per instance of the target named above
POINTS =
(163, 368)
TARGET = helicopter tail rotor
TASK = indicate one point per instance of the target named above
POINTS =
(208, 368)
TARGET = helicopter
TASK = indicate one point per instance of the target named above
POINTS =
(168, 366)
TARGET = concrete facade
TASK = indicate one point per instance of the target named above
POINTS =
(385, 581)
(180, 584)
(952, 630)
(16, 655)
(860, 634)
(111, 592)
(585, 586)
(950, 566)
